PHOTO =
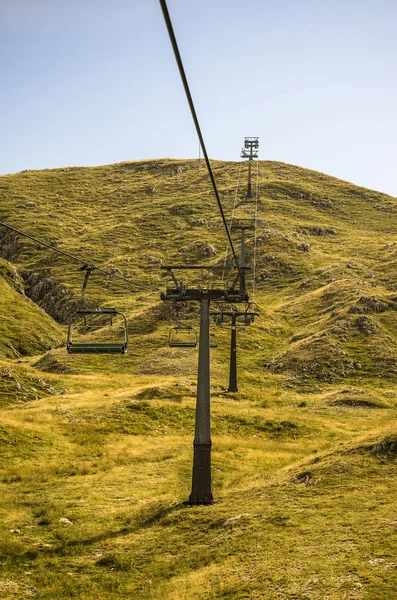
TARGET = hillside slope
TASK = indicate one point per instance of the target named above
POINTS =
(304, 454)
(325, 255)
(25, 329)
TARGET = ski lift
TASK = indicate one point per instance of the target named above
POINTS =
(218, 319)
(87, 320)
(182, 336)
(213, 341)
(90, 321)
(186, 337)
(244, 320)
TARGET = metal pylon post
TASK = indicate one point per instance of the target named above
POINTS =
(201, 478)
(233, 356)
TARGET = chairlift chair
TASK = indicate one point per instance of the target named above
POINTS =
(182, 336)
(213, 341)
(218, 319)
(244, 320)
(249, 315)
(82, 347)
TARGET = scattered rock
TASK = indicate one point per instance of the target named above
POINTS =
(387, 447)
(115, 271)
(355, 310)
(66, 521)
(318, 231)
(152, 260)
(303, 477)
(305, 284)
(366, 325)
(57, 300)
(264, 275)
(304, 247)
(372, 304)
(198, 222)
(200, 250)
(184, 209)
(18, 386)
(234, 519)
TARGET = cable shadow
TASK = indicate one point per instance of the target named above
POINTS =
(151, 520)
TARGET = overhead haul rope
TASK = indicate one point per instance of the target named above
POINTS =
(178, 59)
(232, 217)
(80, 260)
(255, 234)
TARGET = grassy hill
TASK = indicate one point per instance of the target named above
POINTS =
(96, 451)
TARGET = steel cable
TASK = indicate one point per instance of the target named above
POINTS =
(178, 59)
(232, 217)
(255, 234)
(75, 258)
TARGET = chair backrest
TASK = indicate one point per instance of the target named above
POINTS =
(99, 347)
(182, 337)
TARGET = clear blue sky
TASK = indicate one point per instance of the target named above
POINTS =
(88, 82)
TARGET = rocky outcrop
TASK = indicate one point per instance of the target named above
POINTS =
(57, 300)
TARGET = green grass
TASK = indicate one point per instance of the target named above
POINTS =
(304, 458)
(25, 329)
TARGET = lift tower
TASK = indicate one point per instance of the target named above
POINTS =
(243, 226)
(234, 315)
(250, 151)
(227, 314)
(201, 477)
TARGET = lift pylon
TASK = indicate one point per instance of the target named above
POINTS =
(243, 226)
(250, 151)
(201, 492)
(230, 315)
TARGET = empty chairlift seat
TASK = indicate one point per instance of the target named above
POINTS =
(186, 337)
(213, 341)
(89, 322)
(182, 337)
